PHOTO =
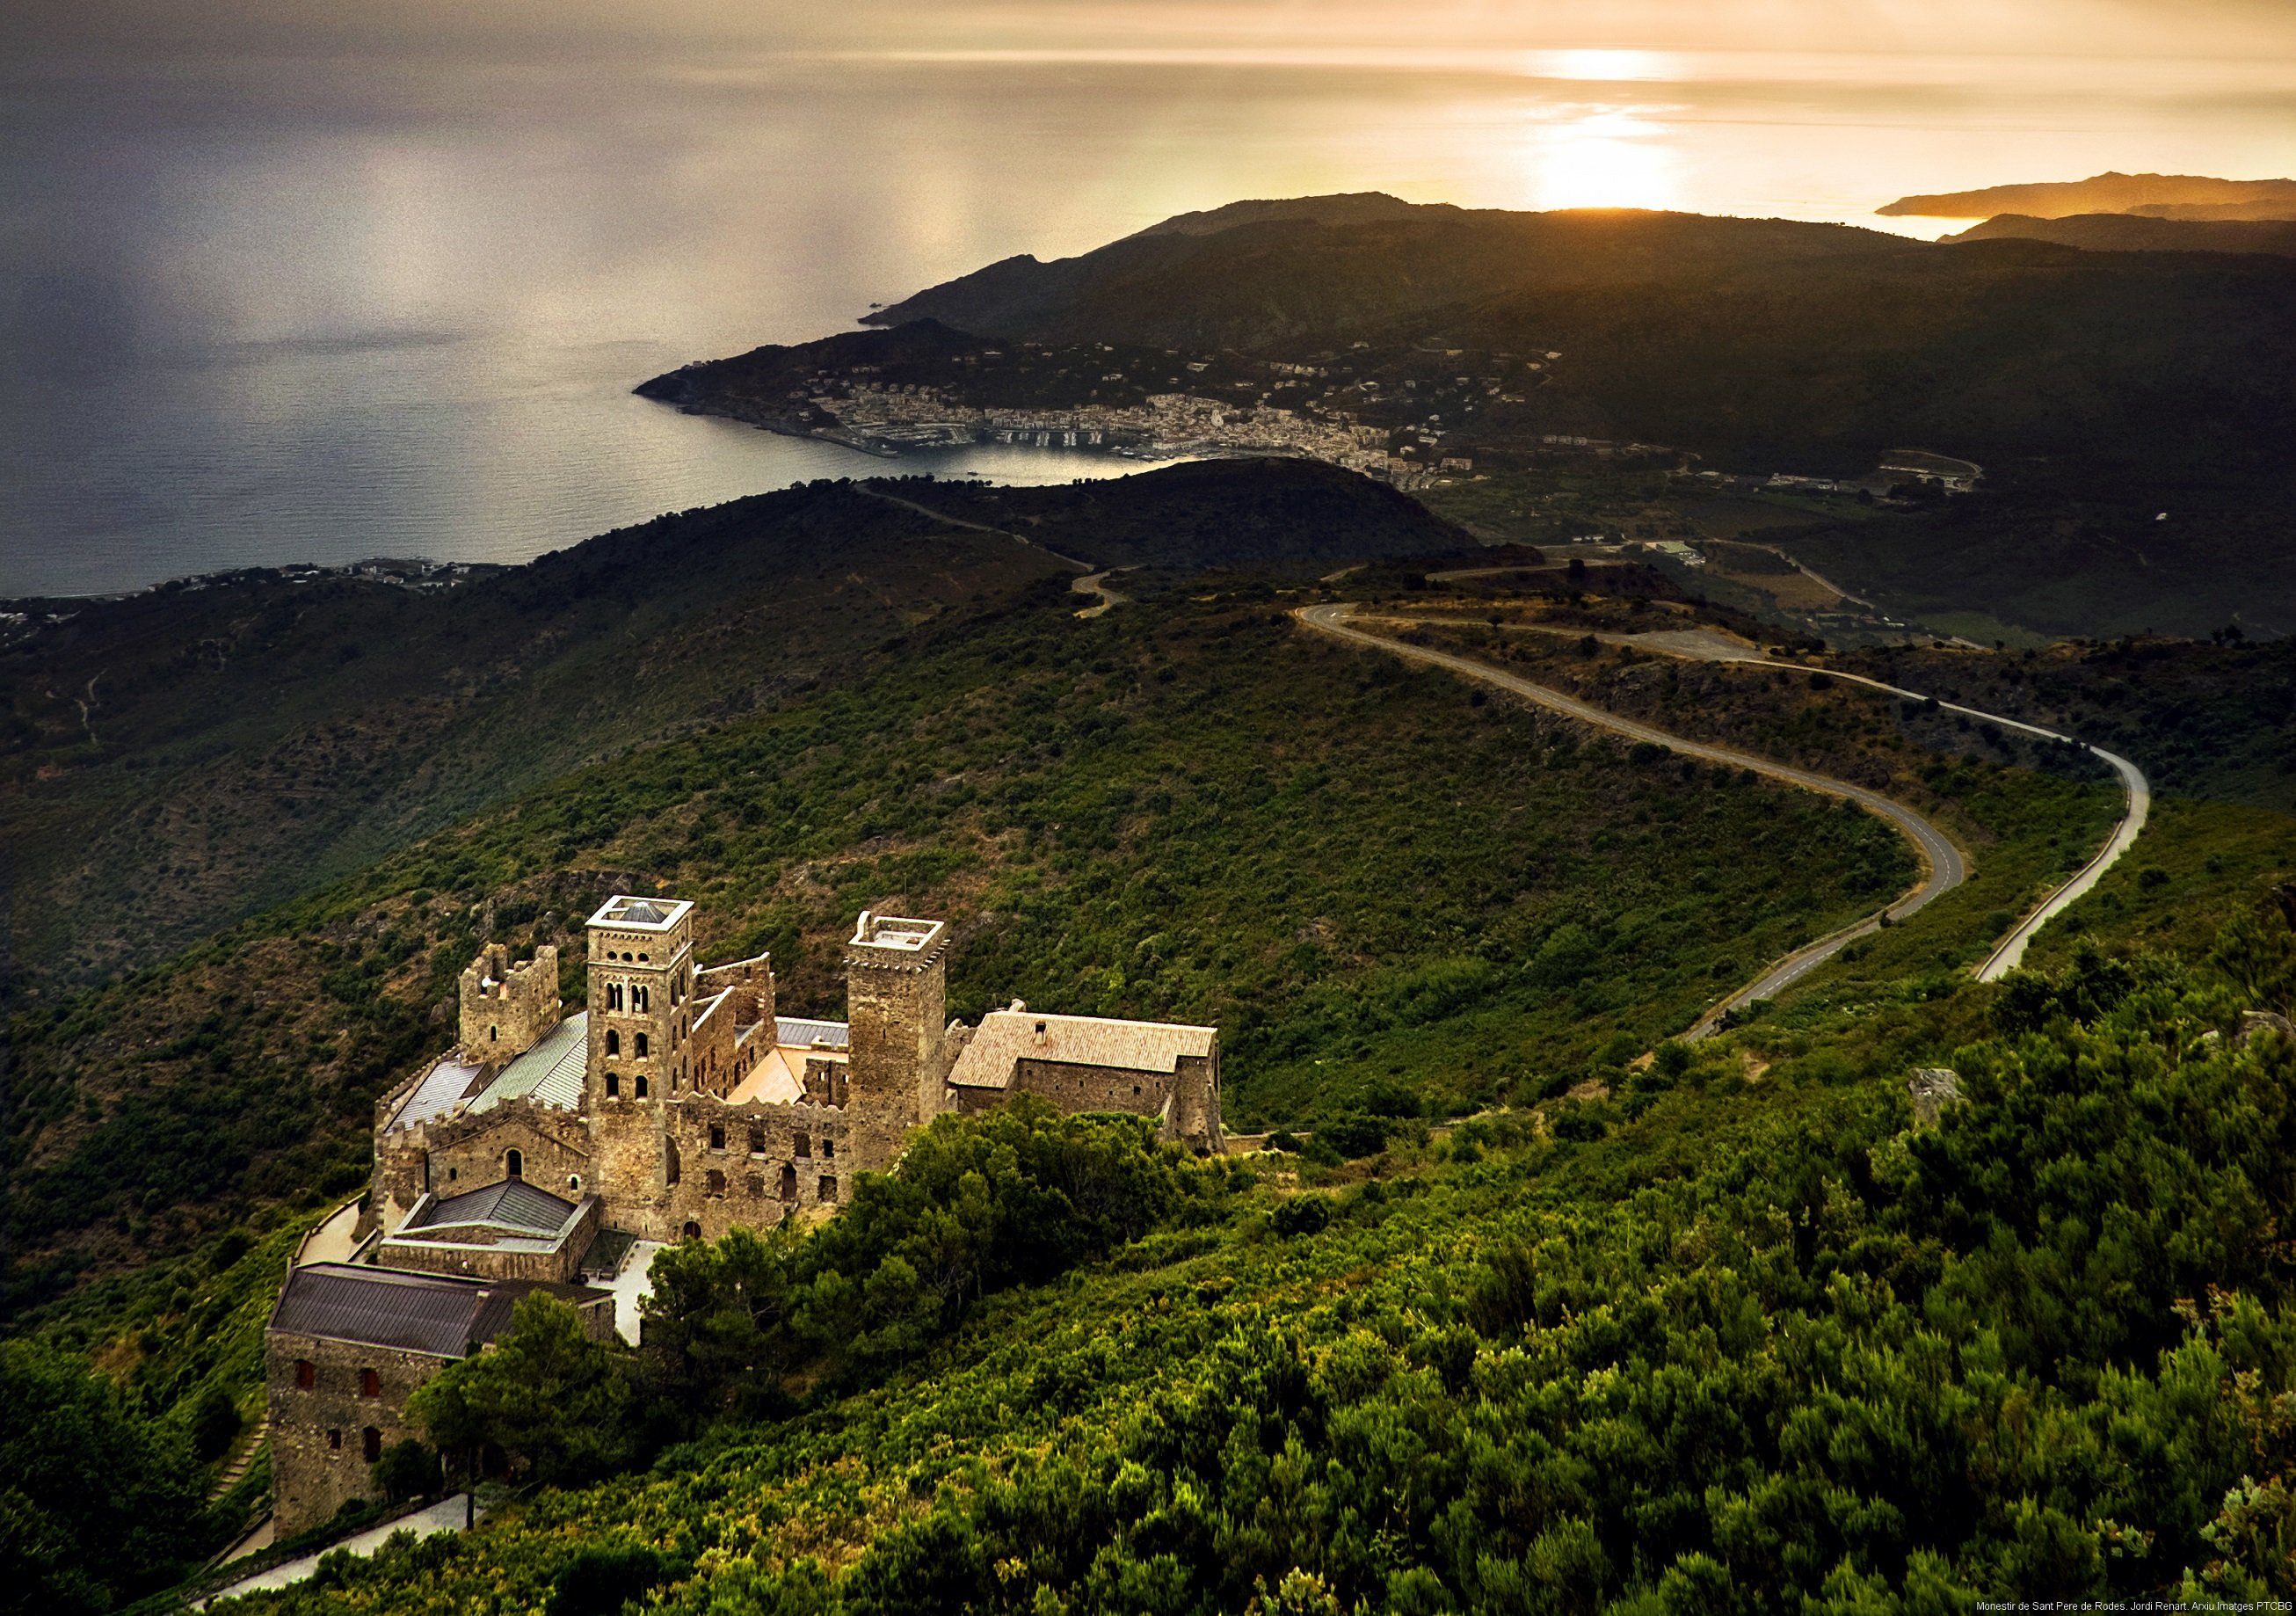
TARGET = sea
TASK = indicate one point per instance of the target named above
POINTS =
(257, 309)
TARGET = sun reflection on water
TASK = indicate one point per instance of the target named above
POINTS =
(1601, 156)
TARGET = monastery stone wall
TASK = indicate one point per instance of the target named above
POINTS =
(897, 1016)
(555, 1151)
(749, 1166)
(319, 1441)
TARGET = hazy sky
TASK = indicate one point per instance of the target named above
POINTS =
(2264, 28)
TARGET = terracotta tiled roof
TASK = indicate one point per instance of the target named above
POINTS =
(1006, 1037)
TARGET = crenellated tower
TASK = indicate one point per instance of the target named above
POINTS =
(896, 1003)
(506, 1009)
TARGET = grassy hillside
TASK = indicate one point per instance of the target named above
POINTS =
(239, 744)
(2126, 233)
(182, 759)
(2102, 561)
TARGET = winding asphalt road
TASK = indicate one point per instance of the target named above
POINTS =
(1945, 866)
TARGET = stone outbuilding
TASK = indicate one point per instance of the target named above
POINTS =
(346, 1348)
(1085, 1063)
(509, 1230)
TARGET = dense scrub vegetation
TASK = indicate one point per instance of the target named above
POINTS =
(2093, 559)
(181, 759)
(2204, 719)
(1736, 1346)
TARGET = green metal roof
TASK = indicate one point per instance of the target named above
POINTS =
(549, 1074)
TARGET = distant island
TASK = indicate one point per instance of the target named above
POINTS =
(2186, 196)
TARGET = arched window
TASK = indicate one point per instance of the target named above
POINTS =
(371, 1444)
(640, 1050)
(370, 1383)
(788, 1183)
(613, 1042)
(828, 1190)
(306, 1373)
(614, 1086)
(717, 1182)
(642, 1086)
(669, 1165)
(493, 1035)
(514, 1164)
(574, 1181)
(613, 995)
(451, 1173)
(692, 1229)
(639, 998)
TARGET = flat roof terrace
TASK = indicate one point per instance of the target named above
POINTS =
(631, 914)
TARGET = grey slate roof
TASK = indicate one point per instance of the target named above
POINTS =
(549, 1074)
(441, 1089)
(512, 1205)
(425, 1312)
(804, 1034)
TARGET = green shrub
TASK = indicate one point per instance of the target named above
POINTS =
(212, 1422)
(407, 1470)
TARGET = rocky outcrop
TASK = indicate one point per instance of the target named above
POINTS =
(2253, 1021)
(1931, 1088)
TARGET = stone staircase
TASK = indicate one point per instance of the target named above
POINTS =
(251, 1445)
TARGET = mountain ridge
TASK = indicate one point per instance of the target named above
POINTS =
(2140, 232)
(1743, 340)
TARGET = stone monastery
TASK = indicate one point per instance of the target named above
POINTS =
(545, 1147)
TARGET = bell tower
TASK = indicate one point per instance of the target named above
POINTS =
(641, 1004)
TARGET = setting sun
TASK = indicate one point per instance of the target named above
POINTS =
(1602, 158)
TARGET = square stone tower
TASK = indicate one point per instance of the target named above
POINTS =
(507, 1009)
(896, 1003)
(642, 979)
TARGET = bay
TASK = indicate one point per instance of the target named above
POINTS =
(257, 310)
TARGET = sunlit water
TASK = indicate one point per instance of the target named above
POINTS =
(309, 311)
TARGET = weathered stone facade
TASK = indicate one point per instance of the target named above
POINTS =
(346, 1347)
(1089, 1063)
(506, 1009)
(677, 1104)
(325, 1435)
(442, 1236)
(896, 1005)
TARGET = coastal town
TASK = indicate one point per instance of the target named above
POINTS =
(891, 417)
